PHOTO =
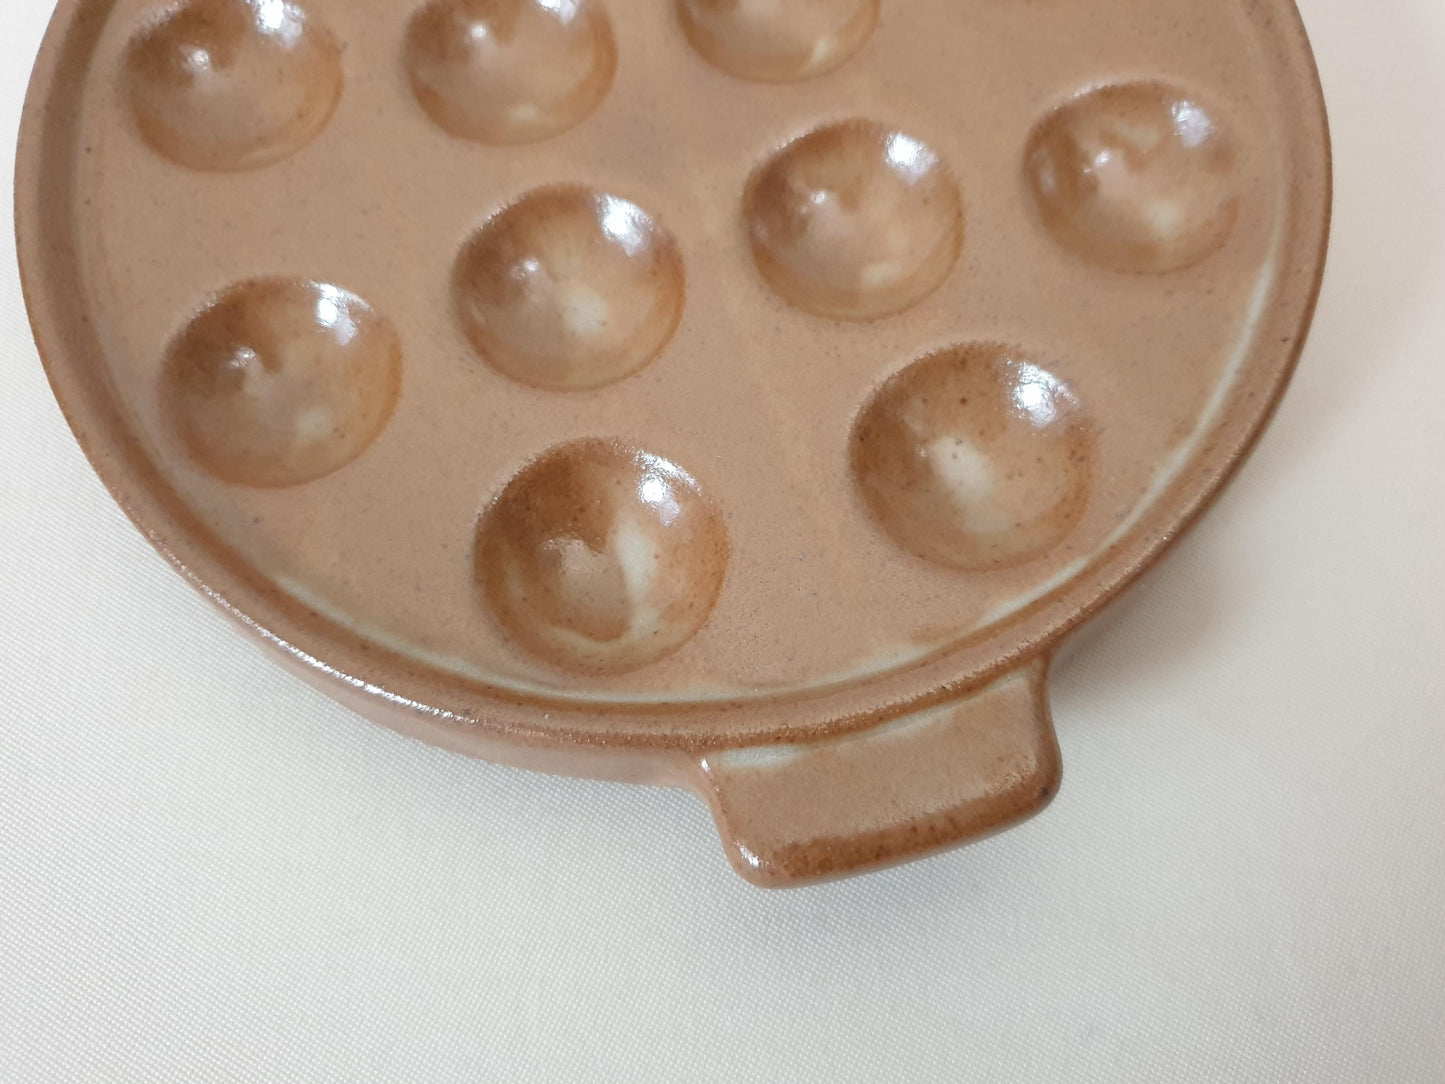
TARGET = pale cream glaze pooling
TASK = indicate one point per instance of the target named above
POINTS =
(753, 397)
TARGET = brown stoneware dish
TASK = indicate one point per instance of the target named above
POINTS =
(743, 395)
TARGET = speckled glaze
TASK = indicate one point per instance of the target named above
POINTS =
(739, 396)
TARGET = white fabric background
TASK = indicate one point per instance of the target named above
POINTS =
(209, 872)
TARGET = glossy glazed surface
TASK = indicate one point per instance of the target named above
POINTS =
(660, 274)
(510, 71)
(598, 556)
(770, 290)
(854, 220)
(1137, 177)
(281, 381)
(232, 84)
(777, 42)
(570, 288)
(975, 457)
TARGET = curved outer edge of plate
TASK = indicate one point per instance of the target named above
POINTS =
(656, 742)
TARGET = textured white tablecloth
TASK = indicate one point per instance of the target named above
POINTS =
(209, 872)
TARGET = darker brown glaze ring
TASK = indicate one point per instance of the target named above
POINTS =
(1135, 177)
(974, 457)
(854, 220)
(510, 71)
(569, 288)
(602, 557)
(233, 84)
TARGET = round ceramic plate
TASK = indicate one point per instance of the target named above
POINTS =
(741, 396)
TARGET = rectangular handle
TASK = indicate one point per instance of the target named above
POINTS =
(792, 814)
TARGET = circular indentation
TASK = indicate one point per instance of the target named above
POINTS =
(601, 557)
(569, 288)
(854, 220)
(279, 381)
(777, 41)
(974, 457)
(233, 84)
(1137, 177)
(510, 71)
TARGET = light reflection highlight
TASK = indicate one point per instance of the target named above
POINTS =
(1191, 123)
(624, 223)
(1036, 393)
(333, 312)
(281, 19)
(909, 157)
(657, 490)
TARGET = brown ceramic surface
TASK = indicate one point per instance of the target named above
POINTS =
(733, 394)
